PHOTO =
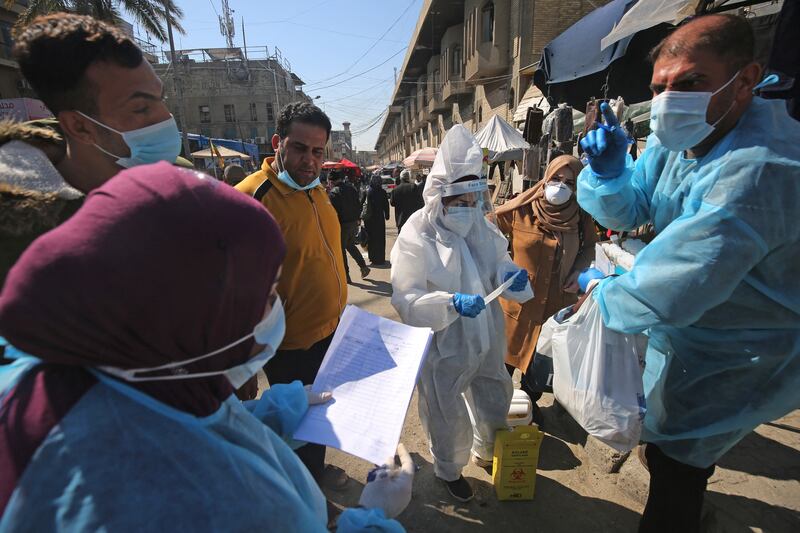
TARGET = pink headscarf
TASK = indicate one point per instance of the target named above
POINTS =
(159, 265)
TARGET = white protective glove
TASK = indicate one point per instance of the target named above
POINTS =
(389, 486)
(316, 398)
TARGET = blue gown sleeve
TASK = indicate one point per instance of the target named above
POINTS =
(357, 519)
(281, 408)
(693, 265)
(621, 203)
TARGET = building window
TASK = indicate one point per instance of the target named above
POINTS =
(487, 23)
(455, 67)
(205, 114)
(480, 114)
(253, 112)
(511, 98)
(6, 38)
(270, 112)
(230, 113)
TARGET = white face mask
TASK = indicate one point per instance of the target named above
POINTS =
(269, 333)
(678, 118)
(460, 219)
(557, 193)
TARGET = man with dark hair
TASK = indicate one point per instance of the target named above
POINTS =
(108, 100)
(717, 288)
(345, 200)
(312, 284)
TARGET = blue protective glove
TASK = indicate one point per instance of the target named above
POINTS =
(588, 275)
(520, 282)
(468, 304)
(283, 406)
(607, 146)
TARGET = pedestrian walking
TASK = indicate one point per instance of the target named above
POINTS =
(345, 200)
(375, 214)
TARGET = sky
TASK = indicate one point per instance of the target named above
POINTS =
(329, 43)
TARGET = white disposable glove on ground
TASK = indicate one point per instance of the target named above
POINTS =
(389, 486)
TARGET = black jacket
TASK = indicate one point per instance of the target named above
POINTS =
(345, 200)
(406, 200)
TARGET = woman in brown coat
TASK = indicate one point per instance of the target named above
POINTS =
(553, 239)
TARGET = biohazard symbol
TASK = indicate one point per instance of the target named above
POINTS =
(518, 475)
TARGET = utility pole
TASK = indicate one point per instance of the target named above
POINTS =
(244, 40)
(177, 82)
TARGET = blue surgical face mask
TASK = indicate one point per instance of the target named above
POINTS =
(151, 144)
(269, 333)
(287, 180)
(678, 118)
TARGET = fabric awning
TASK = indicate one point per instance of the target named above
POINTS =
(576, 52)
(574, 68)
(501, 139)
(646, 14)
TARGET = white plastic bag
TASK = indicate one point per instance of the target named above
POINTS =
(597, 376)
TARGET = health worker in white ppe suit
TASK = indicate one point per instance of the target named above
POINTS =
(447, 258)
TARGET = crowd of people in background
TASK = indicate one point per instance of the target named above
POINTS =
(140, 300)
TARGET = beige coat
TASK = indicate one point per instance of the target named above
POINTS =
(536, 250)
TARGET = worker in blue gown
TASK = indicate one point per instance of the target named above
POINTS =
(132, 324)
(718, 289)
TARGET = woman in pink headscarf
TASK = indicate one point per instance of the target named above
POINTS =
(143, 313)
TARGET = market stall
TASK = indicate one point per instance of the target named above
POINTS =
(501, 139)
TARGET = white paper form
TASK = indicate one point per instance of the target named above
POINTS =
(499, 290)
(371, 368)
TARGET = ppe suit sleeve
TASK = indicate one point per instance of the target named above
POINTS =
(621, 203)
(281, 408)
(355, 520)
(416, 305)
(693, 265)
(506, 266)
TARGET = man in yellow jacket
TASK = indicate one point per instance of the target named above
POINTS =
(312, 284)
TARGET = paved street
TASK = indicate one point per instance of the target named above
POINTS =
(755, 487)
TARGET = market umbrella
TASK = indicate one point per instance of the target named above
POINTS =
(346, 163)
(421, 158)
(502, 140)
(225, 153)
(331, 164)
(574, 68)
